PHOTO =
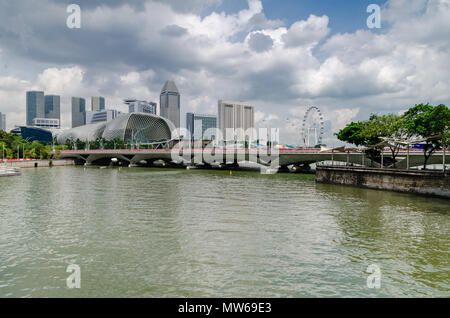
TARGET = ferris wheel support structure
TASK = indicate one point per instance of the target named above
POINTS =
(316, 128)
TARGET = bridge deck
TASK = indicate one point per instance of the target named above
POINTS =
(266, 156)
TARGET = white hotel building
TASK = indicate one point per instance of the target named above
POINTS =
(235, 115)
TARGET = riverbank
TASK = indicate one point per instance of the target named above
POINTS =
(433, 183)
(39, 163)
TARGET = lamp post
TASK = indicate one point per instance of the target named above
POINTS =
(332, 157)
(443, 157)
(407, 158)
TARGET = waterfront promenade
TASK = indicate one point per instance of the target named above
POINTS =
(32, 163)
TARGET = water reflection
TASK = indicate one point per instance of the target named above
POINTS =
(406, 235)
(161, 233)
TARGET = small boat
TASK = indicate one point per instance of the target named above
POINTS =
(9, 171)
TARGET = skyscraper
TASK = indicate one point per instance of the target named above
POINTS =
(53, 107)
(235, 115)
(97, 103)
(35, 106)
(198, 125)
(78, 111)
(170, 103)
(2, 121)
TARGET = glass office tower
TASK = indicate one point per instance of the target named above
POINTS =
(35, 106)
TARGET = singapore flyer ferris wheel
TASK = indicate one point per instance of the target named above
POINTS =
(312, 127)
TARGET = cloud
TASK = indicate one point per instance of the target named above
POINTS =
(308, 32)
(173, 30)
(128, 49)
(260, 42)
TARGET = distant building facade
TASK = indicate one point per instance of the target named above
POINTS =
(169, 103)
(97, 103)
(35, 106)
(2, 121)
(46, 123)
(198, 124)
(31, 134)
(101, 116)
(233, 114)
(52, 107)
(78, 112)
(140, 106)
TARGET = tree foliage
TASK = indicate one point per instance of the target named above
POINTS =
(16, 147)
(424, 120)
(420, 121)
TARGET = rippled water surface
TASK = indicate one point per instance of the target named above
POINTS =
(176, 233)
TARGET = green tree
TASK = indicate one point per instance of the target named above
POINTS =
(425, 120)
(390, 126)
(360, 135)
(80, 144)
(353, 134)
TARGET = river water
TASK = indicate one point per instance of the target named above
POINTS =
(143, 232)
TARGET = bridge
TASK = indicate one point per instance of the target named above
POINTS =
(282, 158)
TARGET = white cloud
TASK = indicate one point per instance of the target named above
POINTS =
(123, 52)
(64, 81)
(308, 32)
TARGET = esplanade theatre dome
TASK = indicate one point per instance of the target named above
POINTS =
(131, 128)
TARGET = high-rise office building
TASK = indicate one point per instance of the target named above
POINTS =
(235, 115)
(169, 103)
(78, 111)
(35, 106)
(140, 106)
(53, 107)
(2, 121)
(97, 103)
(198, 125)
(101, 116)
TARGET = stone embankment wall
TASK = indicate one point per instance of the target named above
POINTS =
(433, 183)
(39, 163)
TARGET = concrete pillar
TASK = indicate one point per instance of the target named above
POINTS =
(407, 159)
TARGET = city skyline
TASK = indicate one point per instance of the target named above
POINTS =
(282, 56)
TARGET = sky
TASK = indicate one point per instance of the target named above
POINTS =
(282, 55)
